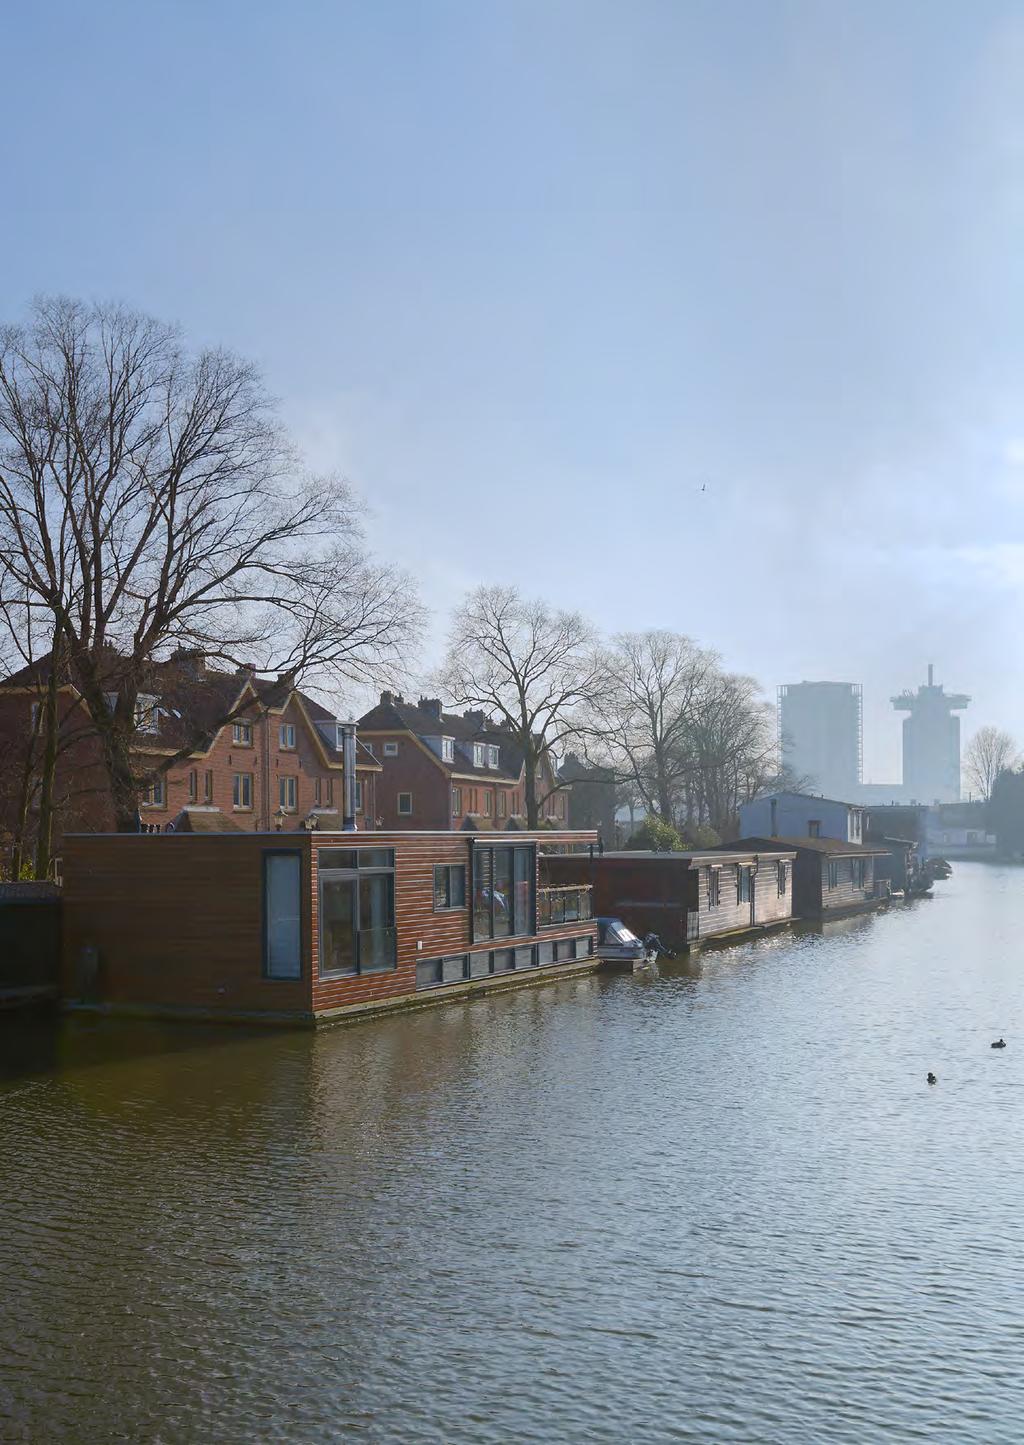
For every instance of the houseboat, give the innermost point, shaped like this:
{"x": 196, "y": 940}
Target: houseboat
{"x": 686, "y": 898}
{"x": 313, "y": 926}
{"x": 830, "y": 876}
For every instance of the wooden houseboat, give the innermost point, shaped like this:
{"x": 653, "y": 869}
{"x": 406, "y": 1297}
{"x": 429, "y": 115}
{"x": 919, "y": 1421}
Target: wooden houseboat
{"x": 686, "y": 898}
{"x": 305, "y": 927}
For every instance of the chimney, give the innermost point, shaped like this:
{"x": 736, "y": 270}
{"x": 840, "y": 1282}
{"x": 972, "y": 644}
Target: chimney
{"x": 348, "y": 776}
{"x": 475, "y": 716}
{"x": 386, "y": 698}
{"x": 431, "y": 705}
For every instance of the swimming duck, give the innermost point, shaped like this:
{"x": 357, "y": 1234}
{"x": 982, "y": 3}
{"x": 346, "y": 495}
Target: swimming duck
{"x": 932, "y": 1079}
{"x": 999, "y": 1044}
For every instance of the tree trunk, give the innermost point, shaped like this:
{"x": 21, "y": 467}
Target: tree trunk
{"x": 44, "y": 835}
{"x": 530, "y": 787}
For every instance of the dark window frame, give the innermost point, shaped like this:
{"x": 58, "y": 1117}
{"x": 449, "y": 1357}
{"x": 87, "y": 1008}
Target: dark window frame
{"x": 529, "y": 929}
{"x": 449, "y": 906}
{"x": 714, "y": 887}
{"x": 264, "y": 919}
{"x": 354, "y": 876}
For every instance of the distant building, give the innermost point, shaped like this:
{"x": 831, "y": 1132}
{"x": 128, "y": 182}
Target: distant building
{"x": 802, "y": 815}
{"x": 931, "y": 742}
{"x": 591, "y": 797}
{"x": 821, "y": 734}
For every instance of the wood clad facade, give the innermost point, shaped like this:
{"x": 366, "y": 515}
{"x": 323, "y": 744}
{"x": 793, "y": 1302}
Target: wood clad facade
{"x": 178, "y": 922}
{"x": 685, "y": 897}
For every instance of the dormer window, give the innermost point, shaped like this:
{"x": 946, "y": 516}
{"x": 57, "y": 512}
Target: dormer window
{"x": 147, "y": 717}
{"x": 241, "y": 733}
{"x": 479, "y": 755}
{"x": 493, "y": 756}
{"x": 448, "y": 750}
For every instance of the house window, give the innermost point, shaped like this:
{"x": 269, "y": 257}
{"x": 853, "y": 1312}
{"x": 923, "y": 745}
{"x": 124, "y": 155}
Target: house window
{"x": 358, "y": 796}
{"x": 814, "y": 828}
{"x": 317, "y": 787}
{"x": 405, "y": 804}
{"x": 714, "y": 887}
{"x": 288, "y": 791}
{"x": 502, "y": 804}
{"x": 282, "y": 915}
{"x": 479, "y": 755}
{"x": 456, "y": 801}
{"x": 155, "y": 795}
{"x": 449, "y": 886}
{"x": 493, "y": 755}
{"x": 743, "y": 881}
{"x": 241, "y": 790}
{"x": 330, "y": 792}
{"x": 287, "y": 735}
{"x": 241, "y": 733}
{"x": 193, "y": 786}
{"x": 357, "y": 912}
{"x": 782, "y": 879}
{"x": 504, "y": 891}
{"x": 208, "y": 786}
{"x": 368, "y": 747}
{"x": 391, "y": 750}
{"x": 487, "y": 802}
{"x": 833, "y": 874}
{"x": 448, "y": 750}
{"x": 860, "y": 869}
{"x": 147, "y": 717}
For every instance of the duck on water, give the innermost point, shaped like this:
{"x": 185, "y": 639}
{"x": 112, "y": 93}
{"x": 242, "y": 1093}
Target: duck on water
{"x": 1000, "y": 1043}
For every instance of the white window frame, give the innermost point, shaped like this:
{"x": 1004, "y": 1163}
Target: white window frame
{"x": 448, "y": 750}
{"x": 391, "y": 750}
{"x": 405, "y": 812}
{"x": 479, "y": 755}
{"x": 288, "y": 785}
{"x": 241, "y": 734}
{"x": 147, "y": 715}
{"x": 241, "y": 784}
{"x": 286, "y": 736}
{"x": 493, "y": 755}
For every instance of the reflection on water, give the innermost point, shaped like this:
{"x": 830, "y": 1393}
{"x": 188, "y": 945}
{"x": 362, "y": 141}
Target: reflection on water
{"x": 719, "y": 1204}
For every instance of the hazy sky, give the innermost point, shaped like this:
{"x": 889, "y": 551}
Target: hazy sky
{"x": 532, "y": 274}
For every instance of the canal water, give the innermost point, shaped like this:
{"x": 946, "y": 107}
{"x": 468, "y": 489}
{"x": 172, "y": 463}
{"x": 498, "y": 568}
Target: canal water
{"x": 718, "y": 1205}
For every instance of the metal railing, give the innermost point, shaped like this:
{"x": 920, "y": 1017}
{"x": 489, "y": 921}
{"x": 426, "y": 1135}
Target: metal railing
{"x": 564, "y": 905}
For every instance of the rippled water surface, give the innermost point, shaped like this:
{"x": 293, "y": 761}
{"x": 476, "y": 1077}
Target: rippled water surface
{"x": 719, "y": 1205}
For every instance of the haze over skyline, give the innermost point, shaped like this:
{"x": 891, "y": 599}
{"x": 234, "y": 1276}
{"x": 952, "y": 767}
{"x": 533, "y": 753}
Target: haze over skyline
{"x": 703, "y": 316}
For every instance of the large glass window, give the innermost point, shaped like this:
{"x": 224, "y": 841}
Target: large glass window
{"x": 503, "y": 891}
{"x": 357, "y": 914}
{"x": 282, "y": 915}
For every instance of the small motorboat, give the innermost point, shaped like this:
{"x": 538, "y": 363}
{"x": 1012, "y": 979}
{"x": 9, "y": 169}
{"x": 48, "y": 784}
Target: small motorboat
{"x": 619, "y": 948}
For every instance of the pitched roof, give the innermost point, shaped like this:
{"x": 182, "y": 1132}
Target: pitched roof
{"x": 811, "y": 798}
{"x": 197, "y": 820}
{"x": 192, "y": 699}
{"x": 834, "y": 846}
{"x": 394, "y": 714}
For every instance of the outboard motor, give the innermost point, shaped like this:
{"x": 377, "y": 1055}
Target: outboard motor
{"x": 654, "y": 946}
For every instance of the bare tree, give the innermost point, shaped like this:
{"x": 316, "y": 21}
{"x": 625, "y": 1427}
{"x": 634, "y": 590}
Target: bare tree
{"x": 528, "y": 666}
{"x": 732, "y": 749}
{"x": 989, "y": 753}
{"x": 652, "y": 685}
{"x": 149, "y": 499}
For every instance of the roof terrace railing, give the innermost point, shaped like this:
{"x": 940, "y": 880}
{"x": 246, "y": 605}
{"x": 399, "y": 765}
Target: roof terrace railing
{"x": 564, "y": 905}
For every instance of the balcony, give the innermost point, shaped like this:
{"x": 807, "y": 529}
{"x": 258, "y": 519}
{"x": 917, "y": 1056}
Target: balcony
{"x": 563, "y": 905}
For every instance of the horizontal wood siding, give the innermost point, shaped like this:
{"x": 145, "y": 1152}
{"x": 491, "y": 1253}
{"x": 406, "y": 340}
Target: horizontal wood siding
{"x": 846, "y": 895}
{"x": 421, "y": 933}
{"x": 177, "y": 920}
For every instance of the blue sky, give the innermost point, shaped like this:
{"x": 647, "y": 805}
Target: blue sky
{"x": 531, "y": 274}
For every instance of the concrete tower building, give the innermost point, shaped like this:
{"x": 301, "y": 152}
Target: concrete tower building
{"x": 821, "y": 735}
{"x": 931, "y": 742}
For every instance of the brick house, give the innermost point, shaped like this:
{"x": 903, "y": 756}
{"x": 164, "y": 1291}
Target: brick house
{"x": 445, "y": 770}
{"x": 277, "y": 765}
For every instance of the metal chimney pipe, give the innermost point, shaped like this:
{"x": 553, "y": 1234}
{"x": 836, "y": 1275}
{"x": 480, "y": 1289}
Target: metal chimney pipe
{"x": 348, "y": 777}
